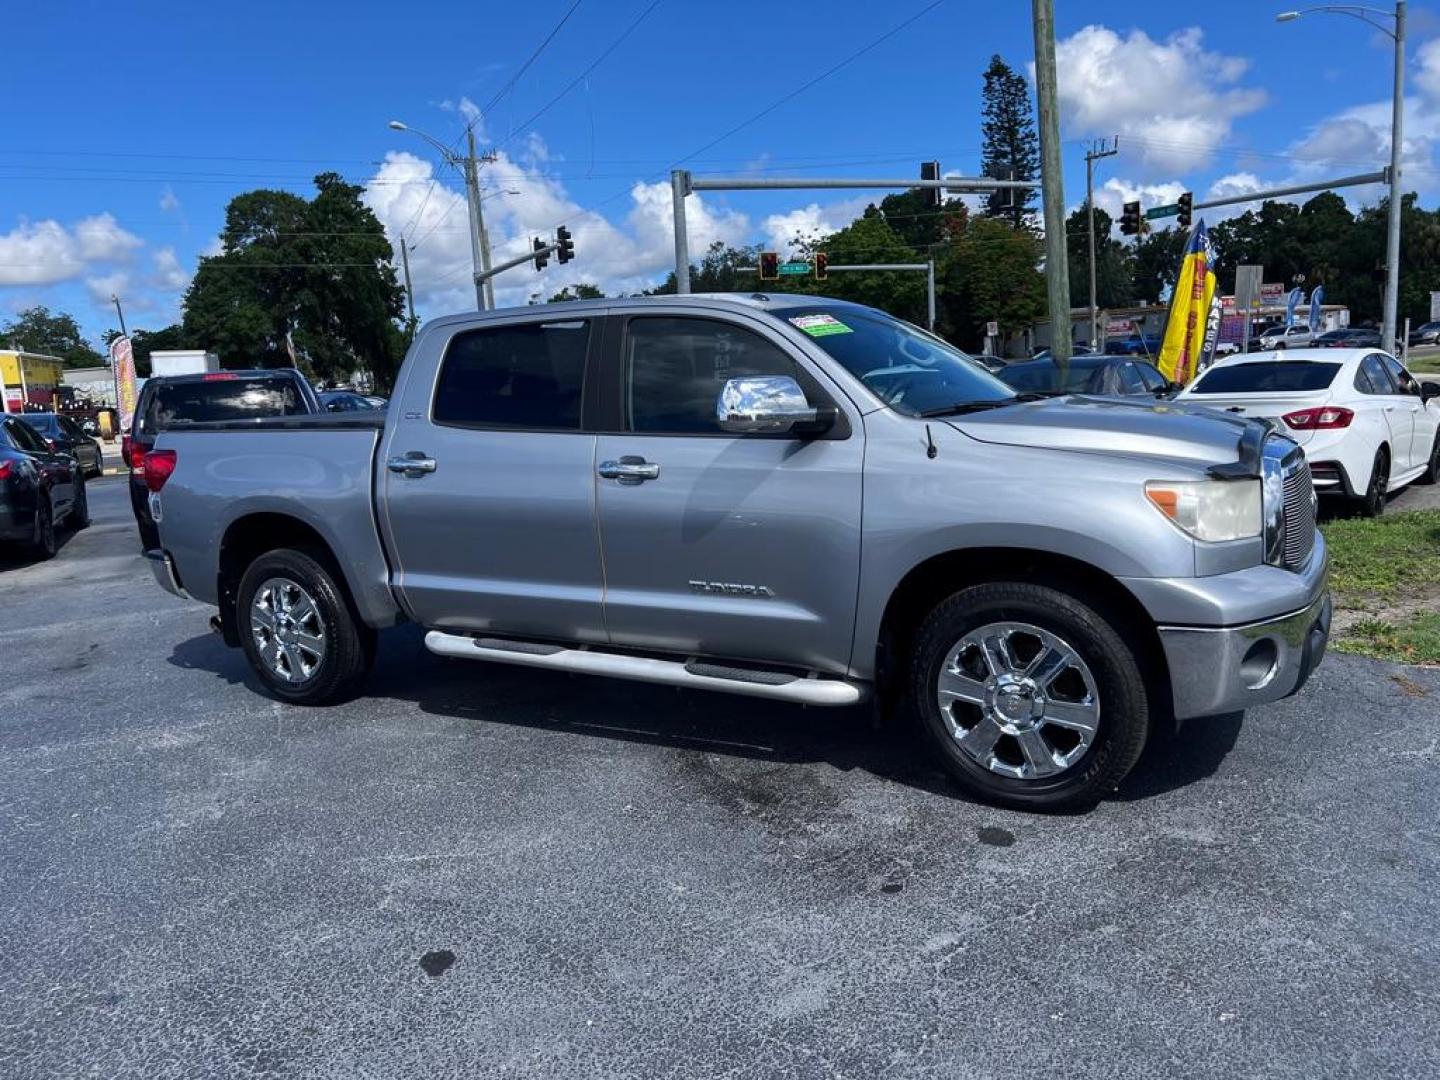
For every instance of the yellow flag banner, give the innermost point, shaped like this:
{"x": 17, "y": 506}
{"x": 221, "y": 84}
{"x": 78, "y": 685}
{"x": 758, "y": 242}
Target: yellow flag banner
{"x": 1185, "y": 350}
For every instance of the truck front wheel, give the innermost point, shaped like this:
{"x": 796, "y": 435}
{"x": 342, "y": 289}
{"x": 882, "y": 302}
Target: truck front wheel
{"x": 1032, "y": 697}
{"x": 297, "y": 630}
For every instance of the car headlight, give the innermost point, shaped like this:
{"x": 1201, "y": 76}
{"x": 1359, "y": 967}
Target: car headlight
{"x": 1209, "y": 509}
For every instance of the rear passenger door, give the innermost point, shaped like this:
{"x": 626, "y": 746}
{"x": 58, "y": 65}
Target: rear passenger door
{"x": 743, "y": 546}
{"x": 1409, "y": 402}
{"x": 487, "y": 481}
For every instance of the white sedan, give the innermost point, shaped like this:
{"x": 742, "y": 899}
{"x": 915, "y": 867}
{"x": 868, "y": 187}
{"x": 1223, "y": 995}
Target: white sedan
{"x": 1367, "y": 425}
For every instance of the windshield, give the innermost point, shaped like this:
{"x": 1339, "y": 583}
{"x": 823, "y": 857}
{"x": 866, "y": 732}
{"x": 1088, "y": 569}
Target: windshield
{"x": 905, "y": 367}
{"x": 1280, "y": 376}
{"x": 176, "y": 404}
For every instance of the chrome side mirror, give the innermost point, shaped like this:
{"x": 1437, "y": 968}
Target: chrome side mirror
{"x": 763, "y": 405}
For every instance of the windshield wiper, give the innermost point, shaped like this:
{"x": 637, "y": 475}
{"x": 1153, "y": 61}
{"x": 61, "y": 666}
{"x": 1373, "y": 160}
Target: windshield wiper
{"x": 957, "y": 408}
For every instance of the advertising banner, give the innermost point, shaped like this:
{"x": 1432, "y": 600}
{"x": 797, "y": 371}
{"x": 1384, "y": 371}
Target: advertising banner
{"x": 1189, "y": 336}
{"x": 122, "y": 360}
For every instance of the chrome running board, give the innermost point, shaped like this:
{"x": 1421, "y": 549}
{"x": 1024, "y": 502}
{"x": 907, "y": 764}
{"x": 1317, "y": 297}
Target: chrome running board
{"x": 694, "y": 674}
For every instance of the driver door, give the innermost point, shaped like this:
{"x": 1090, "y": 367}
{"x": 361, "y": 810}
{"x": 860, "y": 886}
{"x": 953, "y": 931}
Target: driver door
{"x": 718, "y": 544}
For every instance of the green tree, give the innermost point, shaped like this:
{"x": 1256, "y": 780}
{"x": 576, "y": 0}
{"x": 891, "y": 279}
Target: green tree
{"x": 39, "y": 330}
{"x": 1114, "y": 271}
{"x": 1011, "y": 148}
{"x": 867, "y": 239}
{"x": 992, "y": 273}
{"x": 303, "y": 282}
{"x": 719, "y": 271}
{"x": 582, "y": 291}
{"x": 1156, "y": 260}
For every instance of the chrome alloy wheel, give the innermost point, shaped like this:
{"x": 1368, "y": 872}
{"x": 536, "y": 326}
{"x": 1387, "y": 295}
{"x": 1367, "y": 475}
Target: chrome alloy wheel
{"x": 1018, "y": 700}
{"x": 289, "y": 635}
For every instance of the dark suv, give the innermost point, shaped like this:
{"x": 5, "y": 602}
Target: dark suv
{"x": 180, "y": 400}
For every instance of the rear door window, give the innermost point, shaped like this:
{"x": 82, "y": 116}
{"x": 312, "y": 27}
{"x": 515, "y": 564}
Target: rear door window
{"x": 214, "y": 399}
{"x": 1130, "y": 380}
{"x": 1268, "y": 377}
{"x": 525, "y": 376}
{"x": 1377, "y": 377}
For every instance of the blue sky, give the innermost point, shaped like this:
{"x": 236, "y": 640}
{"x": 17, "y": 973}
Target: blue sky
{"x": 129, "y": 126}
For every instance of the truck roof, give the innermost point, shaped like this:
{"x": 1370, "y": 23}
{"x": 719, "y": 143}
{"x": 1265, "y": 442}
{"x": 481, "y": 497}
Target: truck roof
{"x": 756, "y": 300}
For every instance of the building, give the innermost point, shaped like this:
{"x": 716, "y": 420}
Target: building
{"x": 29, "y": 379}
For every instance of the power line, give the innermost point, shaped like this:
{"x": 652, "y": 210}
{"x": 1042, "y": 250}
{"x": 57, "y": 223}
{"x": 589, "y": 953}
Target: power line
{"x": 526, "y": 66}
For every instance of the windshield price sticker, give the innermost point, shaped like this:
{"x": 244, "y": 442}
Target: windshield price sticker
{"x": 820, "y": 325}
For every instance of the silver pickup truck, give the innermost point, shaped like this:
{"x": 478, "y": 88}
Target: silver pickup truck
{"x": 775, "y": 496}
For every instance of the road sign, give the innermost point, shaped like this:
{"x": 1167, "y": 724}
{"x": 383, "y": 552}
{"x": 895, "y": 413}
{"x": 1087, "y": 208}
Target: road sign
{"x": 1272, "y": 293}
{"x": 1434, "y": 306}
{"x": 1168, "y": 210}
{"x": 794, "y": 268}
{"x": 992, "y": 329}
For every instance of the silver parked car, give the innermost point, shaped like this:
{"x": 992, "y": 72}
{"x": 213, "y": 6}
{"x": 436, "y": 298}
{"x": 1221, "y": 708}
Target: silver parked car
{"x": 783, "y": 497}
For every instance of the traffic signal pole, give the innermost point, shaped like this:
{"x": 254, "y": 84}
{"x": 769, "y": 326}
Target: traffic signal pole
{"x": 1052, "y": 186}
{"x": 1094, "y": 154}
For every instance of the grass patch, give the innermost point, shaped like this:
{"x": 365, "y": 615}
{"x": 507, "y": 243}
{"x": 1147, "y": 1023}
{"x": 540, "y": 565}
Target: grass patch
{"x": 1424, "y": 365}
{"x": 1393, "y": 557}
{"x": 1385, "y": 575}
{"x": 1412, "y": 640}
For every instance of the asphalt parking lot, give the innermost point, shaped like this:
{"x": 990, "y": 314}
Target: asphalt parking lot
{"x": 484, "y": 871}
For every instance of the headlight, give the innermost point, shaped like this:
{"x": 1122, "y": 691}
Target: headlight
{"x": 1209, "y": 509}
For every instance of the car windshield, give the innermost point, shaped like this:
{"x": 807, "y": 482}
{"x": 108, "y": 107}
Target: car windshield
{"x": 1273, "y": 376}
{"x": 905, "y": 367}
{"x": 175, "y": 404}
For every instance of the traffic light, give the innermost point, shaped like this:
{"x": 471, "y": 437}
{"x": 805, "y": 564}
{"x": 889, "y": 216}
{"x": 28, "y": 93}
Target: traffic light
{"x": 566, "y": 245}
{"x": 542, "y": 254}
{"x": 930, "y": 170}
{"x": 822, "y": 265}
{"x": 1130, "y": 219}
{"x": 769, "y": 266}
{"x": 1186, "y": 203}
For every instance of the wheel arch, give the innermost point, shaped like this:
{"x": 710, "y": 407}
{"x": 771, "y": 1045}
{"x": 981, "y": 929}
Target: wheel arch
{"x": 940, "y": 575}
{"x": 251, "y": 535}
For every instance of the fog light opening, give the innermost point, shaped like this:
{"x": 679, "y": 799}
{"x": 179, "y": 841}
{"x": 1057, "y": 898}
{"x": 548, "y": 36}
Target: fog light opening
{"x": 1261, "y": 662}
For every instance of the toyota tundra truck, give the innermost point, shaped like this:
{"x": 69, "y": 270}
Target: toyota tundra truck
{"x": 772, "y": 496}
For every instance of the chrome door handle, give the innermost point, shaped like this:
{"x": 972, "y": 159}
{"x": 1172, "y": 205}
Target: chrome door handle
{"x": 629, "y": 470}
{"x": 411, "y": 466}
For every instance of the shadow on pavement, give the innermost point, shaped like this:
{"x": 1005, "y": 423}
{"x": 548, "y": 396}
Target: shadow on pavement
{"x": 635, "y": 712}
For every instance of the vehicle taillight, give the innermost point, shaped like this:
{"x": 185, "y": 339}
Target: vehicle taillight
{"x": 159, "y": 464}
{"x": 5, "y": 468}
{"x": 218, "y": 376}
{"x": 1319, "y": 418}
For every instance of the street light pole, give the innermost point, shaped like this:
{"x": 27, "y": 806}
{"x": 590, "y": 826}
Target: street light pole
{"x": 469, "y": 165}
{"x": 1396, "y": 32}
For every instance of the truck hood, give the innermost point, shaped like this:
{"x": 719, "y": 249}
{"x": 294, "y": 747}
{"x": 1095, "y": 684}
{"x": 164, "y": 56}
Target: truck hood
{"x": 1118, "y": 426}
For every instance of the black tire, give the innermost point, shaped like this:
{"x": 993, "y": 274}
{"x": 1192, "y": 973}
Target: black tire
{"x": 45, "y": 545}
{"x": 348, "y": 642}
{"x": 1123, "y": 705}
{"x": 1432, "y": 470}
{"x": 79, "y": 515}
{"x": 1372, "y": 503}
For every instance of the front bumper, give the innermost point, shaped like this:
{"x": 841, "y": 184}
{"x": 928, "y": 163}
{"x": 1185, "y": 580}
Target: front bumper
{"x": 1225, "y": 669}
{"x": 163, "y": 567}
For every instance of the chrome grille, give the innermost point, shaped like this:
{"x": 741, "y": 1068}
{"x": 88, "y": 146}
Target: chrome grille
{"x": 1299, "y": 512}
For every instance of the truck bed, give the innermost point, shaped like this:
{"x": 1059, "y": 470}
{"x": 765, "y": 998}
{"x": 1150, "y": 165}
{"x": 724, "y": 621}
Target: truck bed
{"x": 318, "y": 468}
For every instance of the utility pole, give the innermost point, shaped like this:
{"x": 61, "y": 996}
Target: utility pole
{"x": 479, "y": 240}
{"x": 409, "y": 289}
{"x": 1392, "y": 225}
{"x": 1096, "y": 152}
{"x": 1052, "y": 185}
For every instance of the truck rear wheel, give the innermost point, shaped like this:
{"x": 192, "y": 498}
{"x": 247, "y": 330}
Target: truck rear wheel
{"x": 1031, "y": 696}
{"x": 298, "y": 631}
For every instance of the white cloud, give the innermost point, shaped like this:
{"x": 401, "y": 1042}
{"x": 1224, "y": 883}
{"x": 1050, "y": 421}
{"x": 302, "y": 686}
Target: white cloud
{"x": 44, "y": 252}
{"x": 625, "y": 255}
{"x": 169, "y": 274}
{"x": 104, "y": 286}
{"x": 781, "y": 230}
{"x": 169, "y": 200}
{"x": 470, "y": 113}
{"x": 1172, "y": 99}
{"x": 1427, "y": 65}
{"x": 1116, "y": 192}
